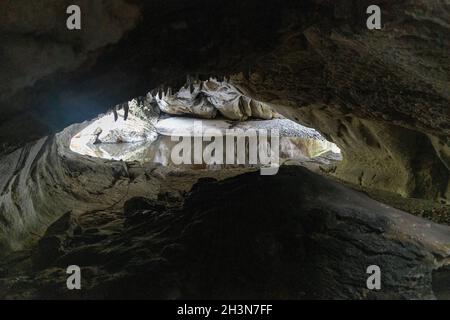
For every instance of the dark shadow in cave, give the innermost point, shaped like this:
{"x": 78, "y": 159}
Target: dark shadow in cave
{"x": 441, "y": 283}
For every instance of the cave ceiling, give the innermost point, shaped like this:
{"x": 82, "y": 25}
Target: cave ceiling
{"x": 292, "y": 53}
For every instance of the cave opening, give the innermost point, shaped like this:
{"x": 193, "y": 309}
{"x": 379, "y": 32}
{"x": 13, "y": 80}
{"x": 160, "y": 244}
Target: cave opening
{"x": 210, "y": 117}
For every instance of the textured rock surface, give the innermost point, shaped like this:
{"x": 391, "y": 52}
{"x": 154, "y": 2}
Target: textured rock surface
{"x": 207, "y": 99}
{"x": 43, "y": 180}
{"x": 384, "y": 156}
{"x": 317, "y": 245}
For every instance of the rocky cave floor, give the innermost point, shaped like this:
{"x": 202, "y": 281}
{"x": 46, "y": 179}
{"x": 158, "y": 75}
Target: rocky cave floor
{"x": 235, "y": 234}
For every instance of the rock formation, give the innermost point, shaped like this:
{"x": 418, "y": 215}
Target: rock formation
{"x": 317, "y": 245}
{"x": 312, "y": 61}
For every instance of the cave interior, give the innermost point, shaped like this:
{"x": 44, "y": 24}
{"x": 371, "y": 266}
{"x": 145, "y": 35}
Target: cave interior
{"x": 355, "y": 123}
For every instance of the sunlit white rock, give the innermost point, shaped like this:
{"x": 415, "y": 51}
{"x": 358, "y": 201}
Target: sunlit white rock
{"x": 118, "y": 140}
